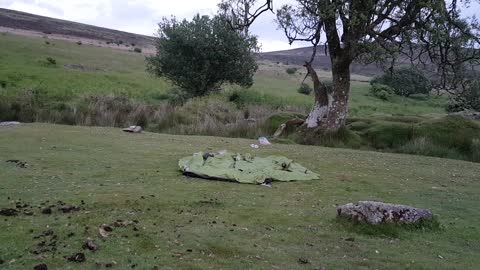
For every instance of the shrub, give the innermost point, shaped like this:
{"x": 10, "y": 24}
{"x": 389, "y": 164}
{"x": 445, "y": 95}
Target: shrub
{"x": 469, "y": 99}
{"x": 202, "y": 54}
{"x": 137, "y": 50}
{"x": 381, "y": 91}
{"x": 51, "y": 60}
{"x": 305, "y": 89}
{"x": 291, "y": 70}
{"x": 405, "y": 81}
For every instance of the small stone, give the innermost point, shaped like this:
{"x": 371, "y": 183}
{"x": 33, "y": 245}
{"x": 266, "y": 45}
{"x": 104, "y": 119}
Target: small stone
{"x": 68, "y": 208}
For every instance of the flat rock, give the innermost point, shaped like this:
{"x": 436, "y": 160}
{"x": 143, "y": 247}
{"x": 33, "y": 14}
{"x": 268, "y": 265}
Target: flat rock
{"x": 133, "y": 129}
{"x": 383, "y": 213}
{"x": 9, "y": 124}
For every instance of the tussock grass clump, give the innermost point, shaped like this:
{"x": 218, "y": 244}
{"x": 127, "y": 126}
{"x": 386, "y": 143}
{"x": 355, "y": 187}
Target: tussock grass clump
{"x": 291, "y": 70}
{"x": 305, "y": 89}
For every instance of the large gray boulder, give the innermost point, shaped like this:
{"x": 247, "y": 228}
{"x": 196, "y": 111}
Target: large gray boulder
{"x": 383, "y": 213}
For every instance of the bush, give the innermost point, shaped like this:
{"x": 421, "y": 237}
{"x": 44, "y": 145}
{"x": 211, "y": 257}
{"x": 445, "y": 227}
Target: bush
{"x": 305, "y": 89}
{"x": 51, "y": 60}
{"x": 467, "y": 100}
{"x": 381, "y": 91}
{"x": 291, "y": 70}
{"x": 405, "y": 81}
{"x": 137, "y": 50}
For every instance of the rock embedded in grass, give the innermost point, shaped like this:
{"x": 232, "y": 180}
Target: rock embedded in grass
{"x": 376, "y": 213}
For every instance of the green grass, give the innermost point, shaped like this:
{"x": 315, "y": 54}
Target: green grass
{"x": 109, "y": 71}
{"x": 115, "y": 174}
{"x": 105, "y": 70}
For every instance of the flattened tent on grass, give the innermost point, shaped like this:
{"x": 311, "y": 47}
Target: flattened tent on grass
{"x": 244, "y": 168}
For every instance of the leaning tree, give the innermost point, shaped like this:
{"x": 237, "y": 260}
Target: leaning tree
{"x": 431, "y": 33}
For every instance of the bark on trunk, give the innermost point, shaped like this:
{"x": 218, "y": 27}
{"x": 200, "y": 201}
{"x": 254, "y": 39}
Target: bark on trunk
{"x": 330, "y": 110}
{"x": 320, "y": 108}
{"x": 338, "y": 109}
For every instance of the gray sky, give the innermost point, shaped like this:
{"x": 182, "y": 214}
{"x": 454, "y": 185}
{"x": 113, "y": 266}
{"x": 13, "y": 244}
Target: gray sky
{"x": 141, "y": 16}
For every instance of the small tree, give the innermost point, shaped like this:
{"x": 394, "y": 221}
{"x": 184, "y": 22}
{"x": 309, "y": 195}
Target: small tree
{"x": 202, "y": 54}
{"x": 405, "y": 81}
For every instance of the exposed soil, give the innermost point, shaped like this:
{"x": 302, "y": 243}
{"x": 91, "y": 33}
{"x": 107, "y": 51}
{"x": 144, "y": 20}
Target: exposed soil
{"x": 40, "y": 267}
{"x": 18, "y": 163}
{"x": 8, "y": 212}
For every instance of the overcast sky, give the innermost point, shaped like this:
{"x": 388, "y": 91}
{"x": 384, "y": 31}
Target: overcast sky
{"x": 141, "y": 16}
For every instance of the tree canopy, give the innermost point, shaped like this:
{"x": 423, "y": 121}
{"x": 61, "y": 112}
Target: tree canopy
{"x": 430, "y": 33}
{"x": 202, "y": 54}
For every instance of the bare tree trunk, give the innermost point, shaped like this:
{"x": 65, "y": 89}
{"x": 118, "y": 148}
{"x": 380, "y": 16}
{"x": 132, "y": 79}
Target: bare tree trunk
{"x": 330, "y": 110}
{"x": 320, "y": 108}
{"x": 338, "y": 109}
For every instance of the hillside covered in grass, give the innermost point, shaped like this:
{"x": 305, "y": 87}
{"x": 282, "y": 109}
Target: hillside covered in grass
{"x": 45, "y": 80}
{"x": 169, "y": 221}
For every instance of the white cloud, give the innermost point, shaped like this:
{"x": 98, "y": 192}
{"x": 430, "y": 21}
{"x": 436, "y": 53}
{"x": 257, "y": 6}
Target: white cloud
{"x": 276, "y": 45}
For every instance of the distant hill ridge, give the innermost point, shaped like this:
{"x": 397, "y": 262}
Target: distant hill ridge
{"x": 53, "y": 28}
{"x": 26, "y": 21}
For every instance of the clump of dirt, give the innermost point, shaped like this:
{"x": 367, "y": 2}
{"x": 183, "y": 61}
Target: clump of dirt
{"x": 77, "y": 257}
{"x": 105, "y": 230}
{"x": 40, "y": 267}
{"x": 47, "y": 243}
{"x": 69, "y": 208}
{"x": 303, "y": 261}
{"x": 47, "y": 211}
{"x": 90, "y": 245}
{"x": 8, "y": 212}
{"x": 122, "y": 223}
{"x": 18, "y": 163}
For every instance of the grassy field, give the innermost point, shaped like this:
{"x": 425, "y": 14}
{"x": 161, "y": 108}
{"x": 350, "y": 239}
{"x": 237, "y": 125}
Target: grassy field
{"x": 89, "y": 70}
{"x": 183, "y": 223}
